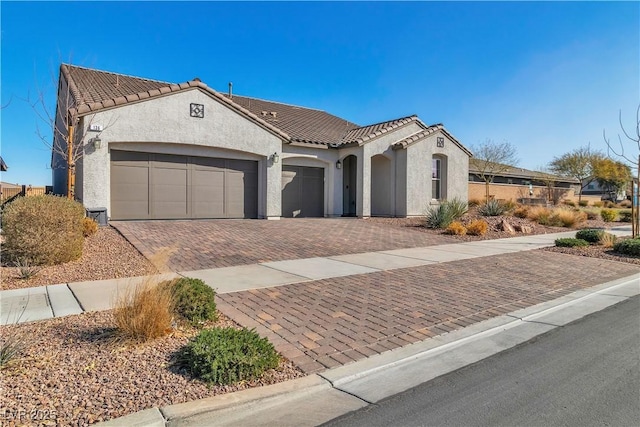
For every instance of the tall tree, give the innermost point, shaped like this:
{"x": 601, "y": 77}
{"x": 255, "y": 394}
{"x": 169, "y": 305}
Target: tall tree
{"x": 577, "y": 164}
{"x": 629, "y": 151}
{"x": 491, "y": 159}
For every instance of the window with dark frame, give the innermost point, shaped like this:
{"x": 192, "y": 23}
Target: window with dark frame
{"x": 436, "y": 178}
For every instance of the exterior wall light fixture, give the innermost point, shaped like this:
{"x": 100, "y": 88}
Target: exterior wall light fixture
{"x": 97, "y": 142}
{"x": 338, "y": 164}
{"x": 275, "y": 158}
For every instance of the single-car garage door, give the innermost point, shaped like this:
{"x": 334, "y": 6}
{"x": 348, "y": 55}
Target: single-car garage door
{"x": 302, "y": 191}
{"x": 162, "y": 186}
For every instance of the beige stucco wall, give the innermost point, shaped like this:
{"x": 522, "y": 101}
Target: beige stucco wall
{"x": 419, "y": 159}
{"x": 164, "y": 125}
{"x": 513, "y": 192}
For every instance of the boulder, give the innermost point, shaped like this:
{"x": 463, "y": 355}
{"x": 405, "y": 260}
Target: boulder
{"x": 526, "y": 229}
{"x": 505, "y": 226}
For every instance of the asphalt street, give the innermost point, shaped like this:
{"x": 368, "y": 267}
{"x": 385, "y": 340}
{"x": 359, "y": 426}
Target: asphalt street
{"x": 586, "y": 373}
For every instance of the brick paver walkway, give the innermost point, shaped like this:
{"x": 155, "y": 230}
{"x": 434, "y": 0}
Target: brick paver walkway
{"x": 222, "y": 243}
{"x": 326, "y": 323}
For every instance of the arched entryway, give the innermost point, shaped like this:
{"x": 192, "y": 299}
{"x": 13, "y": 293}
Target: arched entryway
{"x": 350, "y": 184}
{"x": 380, "y": 186}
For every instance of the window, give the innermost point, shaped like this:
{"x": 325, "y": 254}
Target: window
{"x": 436, "y": 178}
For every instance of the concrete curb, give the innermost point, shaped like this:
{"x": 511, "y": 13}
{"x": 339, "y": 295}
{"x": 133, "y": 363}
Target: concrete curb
{"x": 319, "y": 398}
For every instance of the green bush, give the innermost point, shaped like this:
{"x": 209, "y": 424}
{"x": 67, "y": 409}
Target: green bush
{"x": 492, "y": 208}
{"x": 570, "y": 242}
{"x": 228, "y": 355}
{"x": 608, "y": 215}
{"x": 443, "y": 215}
{"x": 628, "y": 246}
{"x": 625, "y": 215}
{"x": 591, "y": 235}
{"x": 583, "y": 203}
{"x": 194, "y": 301}
{"x": 43, "y": 230}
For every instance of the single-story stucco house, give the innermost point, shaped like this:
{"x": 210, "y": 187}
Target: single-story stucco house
{"x": 157, "y": 150}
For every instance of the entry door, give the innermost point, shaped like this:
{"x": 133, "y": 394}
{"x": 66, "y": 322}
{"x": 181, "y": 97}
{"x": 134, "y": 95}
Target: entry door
{"x": 349, "y": 179}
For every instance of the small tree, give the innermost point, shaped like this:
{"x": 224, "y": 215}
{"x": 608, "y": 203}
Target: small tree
{"x": 632, "y": 159}
{"x": 491, "y": 159}
{"x": 69, "y": 140}
{"x": 577, "y": 164}
{"x": 612, "y": 175}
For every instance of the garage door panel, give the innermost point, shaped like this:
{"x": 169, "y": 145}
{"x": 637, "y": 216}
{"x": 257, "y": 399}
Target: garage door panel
{"x": 161, "y": 186}
{"x": 130, "y": 191}
{"x": 168, "y": 193}
{"x": 302, "y": 191}
{"x": 241, "y": 194}
{"x": 208, "y": 193}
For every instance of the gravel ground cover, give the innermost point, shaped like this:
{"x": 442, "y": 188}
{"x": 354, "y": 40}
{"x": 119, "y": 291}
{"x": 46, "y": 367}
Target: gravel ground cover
{"x": 106, "y": 255}
{"x": 74, "y": 373}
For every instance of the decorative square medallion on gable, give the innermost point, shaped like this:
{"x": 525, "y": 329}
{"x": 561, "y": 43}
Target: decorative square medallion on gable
{"x": 197, "y": 110}
{"x": 440, "y": 142}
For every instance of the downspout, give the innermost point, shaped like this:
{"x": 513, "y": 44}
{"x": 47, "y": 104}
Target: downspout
{"x": 71, "y": 177}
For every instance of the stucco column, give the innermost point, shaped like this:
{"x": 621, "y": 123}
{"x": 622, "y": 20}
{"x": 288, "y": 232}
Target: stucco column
{"x": 274, "y": 189}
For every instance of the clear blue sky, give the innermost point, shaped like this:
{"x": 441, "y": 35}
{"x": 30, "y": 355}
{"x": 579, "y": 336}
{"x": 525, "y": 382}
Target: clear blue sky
{"x": 547, "y": 77}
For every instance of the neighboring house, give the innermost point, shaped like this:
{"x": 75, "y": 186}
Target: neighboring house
{"x": 520, "y": 185}
{"x": 187, "y": 151}
{"x": 593, "y": 188}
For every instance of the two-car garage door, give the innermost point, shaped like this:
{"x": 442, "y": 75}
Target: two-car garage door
{"x": 162, "y": 186}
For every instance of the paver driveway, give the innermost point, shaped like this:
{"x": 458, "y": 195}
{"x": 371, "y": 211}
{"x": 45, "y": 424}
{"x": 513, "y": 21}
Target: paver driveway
{"x": 207, "y": 244}
{"x": 330, "y": 322}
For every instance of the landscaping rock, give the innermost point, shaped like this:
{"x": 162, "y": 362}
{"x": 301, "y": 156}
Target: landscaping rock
{"x": 523, "y": 228}
{"x": 505, "y": 226}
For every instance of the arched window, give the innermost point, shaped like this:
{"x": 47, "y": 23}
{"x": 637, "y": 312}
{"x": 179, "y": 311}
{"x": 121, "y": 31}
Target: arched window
{"x": 438, "y": 177}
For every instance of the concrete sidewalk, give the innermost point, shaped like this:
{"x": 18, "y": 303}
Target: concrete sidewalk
{"x": 319, "y": 398}
{"x": 31, "y": 304}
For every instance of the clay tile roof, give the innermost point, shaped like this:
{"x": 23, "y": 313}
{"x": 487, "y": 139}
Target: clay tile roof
{"x": 90, "y": 86}
{"x": 302, "y": 124}
{"x": 430, "y": 130}
{"x": 365, "y": 133}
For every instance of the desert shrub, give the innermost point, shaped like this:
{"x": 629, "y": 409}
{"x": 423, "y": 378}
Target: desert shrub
{"x": 492, "y": 208}
{"x": 570, "y": 242}
{"x": 591, "y": 235}
{"x": 625, "y": 215}
{"x": 609, "y": 204}
{"x": 456, "y": 228}
{"x": 521, "y": 212}
{"x": 457, "y": 207}
{"x": 625, "y": 204}
{"x": 583, "y": 203}
{"x": 569, "y": 203}
{"x": 509, "y": 205}
{"x": 566, "y": 218}
{"x": 592, "y": 215}
{"x": 89, "y": 227}
{"x": 144, "y": 313}
{"x": 193, "y": 300}
{"x": 26, "y": 270}
{"x": 228, "y": 355}
{"x": 628, "y": 246}
{"x": 597, "y": 204}
{"x": 11, "y": 347}
{"x": 608, "y": 240}
{"x": 43, "y": 229}
{"x": 475, "y": 202}
{"x": 538, "y": 212}
{"x": 608, "y": 215}
{"x": 477, "y": 227}
{"x": 444, "y": 214}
